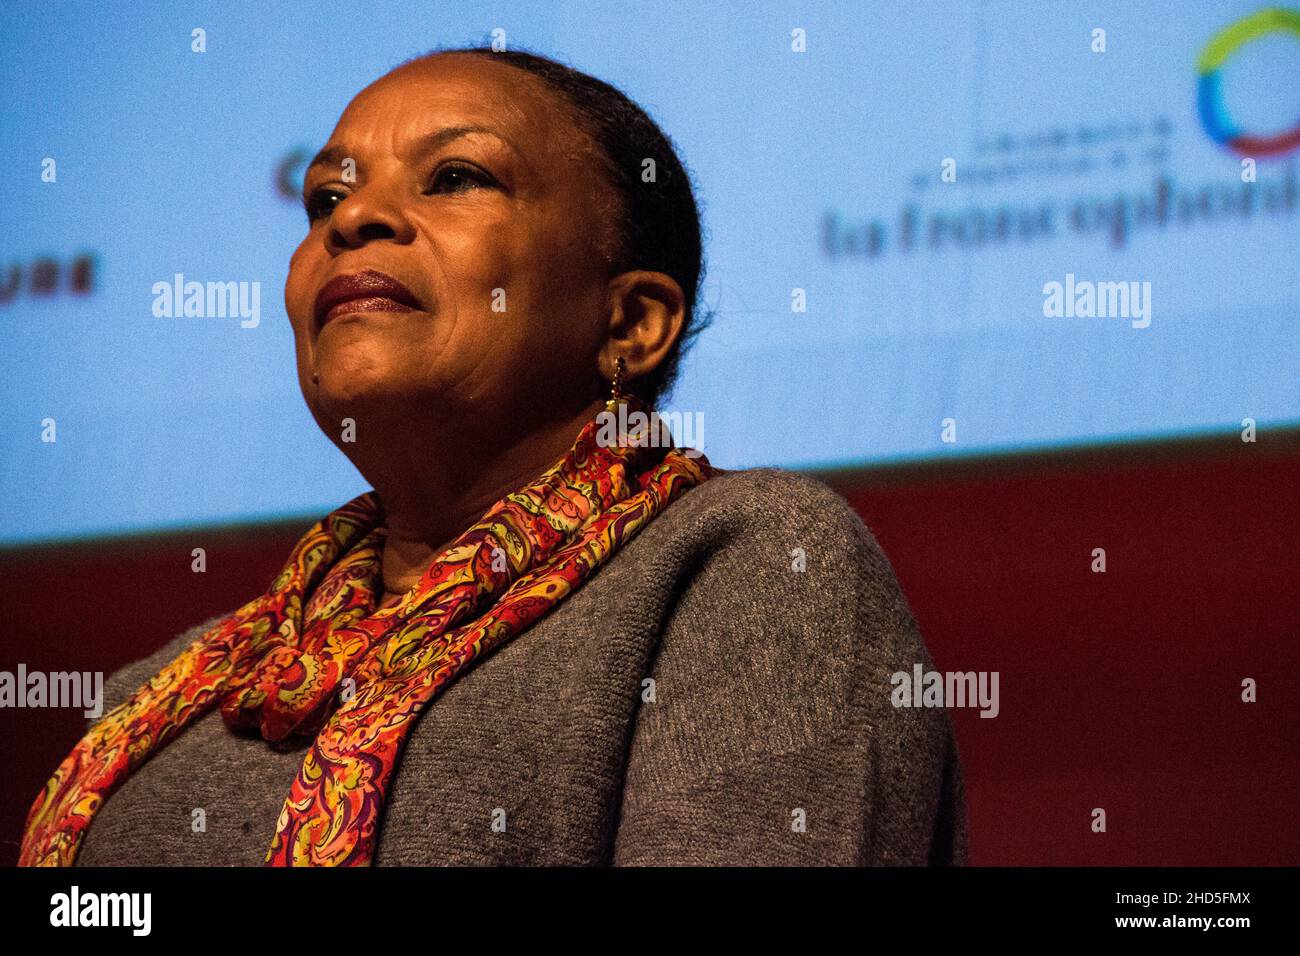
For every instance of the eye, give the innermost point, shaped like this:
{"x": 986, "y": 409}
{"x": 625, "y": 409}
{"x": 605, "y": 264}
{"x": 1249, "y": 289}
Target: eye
{"x": 321, "y": 202}
{"x": 459, "y": 177}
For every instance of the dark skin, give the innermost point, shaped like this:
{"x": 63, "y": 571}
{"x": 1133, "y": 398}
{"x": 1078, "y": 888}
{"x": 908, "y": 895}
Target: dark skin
{"x": 455, "y": 405}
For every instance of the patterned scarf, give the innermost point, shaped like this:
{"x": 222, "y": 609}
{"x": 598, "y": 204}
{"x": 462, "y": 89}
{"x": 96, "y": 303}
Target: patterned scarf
{"x": 314, "y": 657}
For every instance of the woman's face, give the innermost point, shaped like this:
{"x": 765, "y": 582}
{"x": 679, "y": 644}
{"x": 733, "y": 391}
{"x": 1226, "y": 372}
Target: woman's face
{"x": 474, "y": 191}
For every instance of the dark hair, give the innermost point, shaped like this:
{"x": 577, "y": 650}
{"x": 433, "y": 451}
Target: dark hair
{"x": 660, "y": 222}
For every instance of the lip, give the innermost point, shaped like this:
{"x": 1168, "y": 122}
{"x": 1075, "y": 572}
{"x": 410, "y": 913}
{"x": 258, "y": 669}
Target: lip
{"x": 367, "y": 291}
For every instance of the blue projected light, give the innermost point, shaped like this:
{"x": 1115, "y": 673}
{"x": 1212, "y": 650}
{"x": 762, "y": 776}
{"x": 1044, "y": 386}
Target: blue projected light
{"x": 991, "y": 224}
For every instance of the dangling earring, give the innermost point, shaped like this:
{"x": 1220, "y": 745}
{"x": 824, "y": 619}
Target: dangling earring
{"x": 616, "y": 394}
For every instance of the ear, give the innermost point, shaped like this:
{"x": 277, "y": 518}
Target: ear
{"x": 646, "y": 313}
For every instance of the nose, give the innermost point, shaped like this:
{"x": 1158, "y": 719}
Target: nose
{"x": 370, "y": 214}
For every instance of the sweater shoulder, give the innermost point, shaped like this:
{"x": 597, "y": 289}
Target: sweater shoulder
{"x": 773, "y": 493}
{"x": 771, "y": 503}
{"x": 789, "y": 551}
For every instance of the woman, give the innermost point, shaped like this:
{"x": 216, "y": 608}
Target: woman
{"x": 532, "y": 643}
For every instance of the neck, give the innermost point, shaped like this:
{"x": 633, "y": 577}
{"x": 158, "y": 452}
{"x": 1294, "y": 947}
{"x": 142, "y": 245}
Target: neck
{"x": 431, "y": 496}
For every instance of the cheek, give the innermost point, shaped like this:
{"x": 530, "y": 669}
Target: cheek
{"x": 565, "y": 308}
{"x": 298, "y": 285}
{"x": 489, "y": 294}
{"x": 473, "y": 262}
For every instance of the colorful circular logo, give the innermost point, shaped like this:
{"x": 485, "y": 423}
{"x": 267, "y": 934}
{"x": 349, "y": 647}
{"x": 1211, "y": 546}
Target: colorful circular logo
{"x": 1209, "y": 94}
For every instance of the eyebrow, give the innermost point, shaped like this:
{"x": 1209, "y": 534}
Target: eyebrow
{"x": 334, "y": 155}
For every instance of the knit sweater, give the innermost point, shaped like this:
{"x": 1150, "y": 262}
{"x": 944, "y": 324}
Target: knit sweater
{"x": 718, "y": 693}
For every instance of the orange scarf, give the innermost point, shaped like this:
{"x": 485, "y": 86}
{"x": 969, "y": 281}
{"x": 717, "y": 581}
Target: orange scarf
{"x": 313, "y": 656}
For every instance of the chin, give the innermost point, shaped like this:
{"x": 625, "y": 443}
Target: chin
{"x": 363, "y": 384}
{"x": 347, "y": 386}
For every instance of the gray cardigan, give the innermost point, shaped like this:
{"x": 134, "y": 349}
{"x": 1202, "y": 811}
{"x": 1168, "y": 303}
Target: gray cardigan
{"x": 700, "y": 700}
